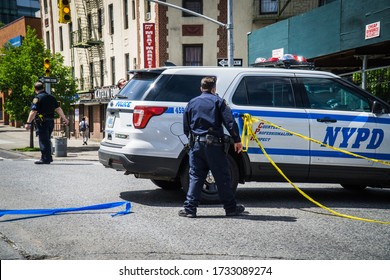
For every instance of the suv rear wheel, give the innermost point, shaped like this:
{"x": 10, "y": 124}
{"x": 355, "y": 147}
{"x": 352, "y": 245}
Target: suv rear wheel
{"x": 167, "y": 185}
{"x": 209, "y": 193}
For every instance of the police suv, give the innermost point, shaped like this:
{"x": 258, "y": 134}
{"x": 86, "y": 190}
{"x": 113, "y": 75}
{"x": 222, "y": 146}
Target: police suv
{"x": 144, "y": 127}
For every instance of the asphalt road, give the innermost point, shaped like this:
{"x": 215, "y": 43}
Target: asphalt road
{"x": 282, "y": 225}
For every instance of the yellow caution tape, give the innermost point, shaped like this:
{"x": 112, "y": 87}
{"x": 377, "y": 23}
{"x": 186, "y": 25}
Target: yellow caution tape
{"x": 247, "y": 132}
{"x": 252, "y": 119}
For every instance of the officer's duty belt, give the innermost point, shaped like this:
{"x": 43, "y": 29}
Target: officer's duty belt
{"x": 203, "y": 139}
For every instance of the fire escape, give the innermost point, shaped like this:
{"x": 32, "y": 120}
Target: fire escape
{"x": 87, "y": 44}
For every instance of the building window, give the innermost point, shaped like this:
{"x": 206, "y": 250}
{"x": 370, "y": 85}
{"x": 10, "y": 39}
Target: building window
{"x": 148, "y": 10}
{"x": 133, "y": 9}
{"x": 101, "y": 72}
{"x": 269, "y": 6}
{"x": 81, "y": 77}
{"x": 126, "y": 13}
{"x": 89, "y": 22}
{"x": 61, "y": 39}
{"x": 193, "y": 5}
{"x": 48, "y": 40}
{"x": 91, "y": 74}
{"x": 100, "y": 23}
{"x": 70, "y": 35}
{"x": 113, "y": 70}
{"x": 127, "y": 65}
{"x": 192, "y": 55}
{"x": 111, "y": 18}
{"x": 45, "y": 6}
{"x": 79, "y": 31}
{"x": 324, "y": 2}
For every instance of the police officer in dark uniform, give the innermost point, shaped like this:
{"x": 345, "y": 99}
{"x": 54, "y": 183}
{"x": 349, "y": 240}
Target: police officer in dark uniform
{"x": 203, "y": 122}
{"x": 42, "y": 113}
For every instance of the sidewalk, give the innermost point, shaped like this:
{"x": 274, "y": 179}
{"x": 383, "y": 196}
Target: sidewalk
{"x": 12, "y": 138}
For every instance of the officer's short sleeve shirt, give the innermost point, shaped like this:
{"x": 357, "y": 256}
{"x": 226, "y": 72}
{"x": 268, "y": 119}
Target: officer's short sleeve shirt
{"x": 45, "y": 104}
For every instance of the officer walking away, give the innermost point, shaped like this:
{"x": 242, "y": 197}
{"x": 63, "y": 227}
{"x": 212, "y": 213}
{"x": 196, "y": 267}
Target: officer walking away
{"x": 203, "y": 121}
{"x": 42, "y": 113}
{"x": 84, "y": 130}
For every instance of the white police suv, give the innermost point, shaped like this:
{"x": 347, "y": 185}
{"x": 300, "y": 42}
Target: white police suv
{"x": 144, "y": 134}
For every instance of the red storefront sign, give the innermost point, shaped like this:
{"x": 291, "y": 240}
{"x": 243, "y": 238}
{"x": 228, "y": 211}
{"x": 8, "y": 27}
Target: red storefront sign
{"x": 149, "y": 45}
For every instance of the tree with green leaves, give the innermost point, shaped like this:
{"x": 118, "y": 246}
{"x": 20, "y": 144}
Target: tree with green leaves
{"x": 378, "y": 82}
{"x": 22, "y": 66}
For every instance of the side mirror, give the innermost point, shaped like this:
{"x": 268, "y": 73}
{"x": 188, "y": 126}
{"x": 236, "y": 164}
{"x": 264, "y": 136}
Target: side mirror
{"x": 377, "y": 107}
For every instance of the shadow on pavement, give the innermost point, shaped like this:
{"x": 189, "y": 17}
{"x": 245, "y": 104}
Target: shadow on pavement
{"x": 266, "y": 197}
{"x": 82, "y": 149}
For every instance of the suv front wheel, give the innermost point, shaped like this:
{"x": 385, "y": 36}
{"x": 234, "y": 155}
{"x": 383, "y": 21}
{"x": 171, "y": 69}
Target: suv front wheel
{"x": 210, "y": 189}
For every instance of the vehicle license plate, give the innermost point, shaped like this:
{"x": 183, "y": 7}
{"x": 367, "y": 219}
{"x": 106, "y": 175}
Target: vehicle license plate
{"x": 110, "y": 121}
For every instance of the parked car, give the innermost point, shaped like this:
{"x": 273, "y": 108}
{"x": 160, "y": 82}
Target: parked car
{"x": 144, "y": 130}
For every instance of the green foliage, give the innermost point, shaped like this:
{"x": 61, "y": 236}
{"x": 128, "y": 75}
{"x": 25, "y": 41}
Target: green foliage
{"x": 65, "y": 89}
{"x": 20, "y": 68}
{"x": 28, "y": 149}
{"x": 378, "y": 82}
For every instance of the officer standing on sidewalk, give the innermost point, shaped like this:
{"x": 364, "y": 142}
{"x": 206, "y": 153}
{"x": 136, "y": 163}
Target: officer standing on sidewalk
{"x": 203, "y": 121}
{"x": 42, "y": 113}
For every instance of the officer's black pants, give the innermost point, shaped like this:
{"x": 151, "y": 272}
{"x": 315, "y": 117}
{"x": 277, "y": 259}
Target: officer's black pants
{"x": 203, "y": 158}
{"x": 44, "y": 132}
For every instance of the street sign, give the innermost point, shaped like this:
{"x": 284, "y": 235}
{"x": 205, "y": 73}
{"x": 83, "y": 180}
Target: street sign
{"x": 373, "y": 30}
{"x": 224, "y": 62}
{"x": 50, "y": 80}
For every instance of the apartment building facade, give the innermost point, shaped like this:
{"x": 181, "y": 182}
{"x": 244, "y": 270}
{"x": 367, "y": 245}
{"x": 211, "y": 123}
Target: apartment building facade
{"x": 106, "y": 38}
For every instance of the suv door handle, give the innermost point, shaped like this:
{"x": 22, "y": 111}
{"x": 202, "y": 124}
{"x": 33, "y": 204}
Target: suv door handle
{"x": 327, "y": 120}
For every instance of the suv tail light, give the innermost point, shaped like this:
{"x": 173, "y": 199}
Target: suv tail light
{"x": 142, "y": 114}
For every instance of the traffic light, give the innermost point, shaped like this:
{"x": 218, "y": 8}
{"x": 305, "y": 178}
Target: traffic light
{"x": 46, "y": 66}
{"x": 64, "y": 11}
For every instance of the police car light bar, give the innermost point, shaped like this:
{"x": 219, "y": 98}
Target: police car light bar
{"x": 286, "y": 61}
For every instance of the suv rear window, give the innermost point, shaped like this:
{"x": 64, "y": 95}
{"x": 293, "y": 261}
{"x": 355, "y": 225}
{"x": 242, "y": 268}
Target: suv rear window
{"x": 179, "y": 88}
{"x": 138, "y": 85}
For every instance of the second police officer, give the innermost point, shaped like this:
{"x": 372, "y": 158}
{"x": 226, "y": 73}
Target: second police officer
{"x": 42, "y": 113}
{"x": 203, "y": 121}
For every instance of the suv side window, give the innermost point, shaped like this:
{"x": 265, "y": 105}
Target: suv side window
{"x": 329, "y": 94}
{"x": 264, "y": 91}
{"x": 178, "y": 88}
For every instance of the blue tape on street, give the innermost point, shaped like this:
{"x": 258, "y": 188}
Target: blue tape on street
{"x": 64, "y": 210}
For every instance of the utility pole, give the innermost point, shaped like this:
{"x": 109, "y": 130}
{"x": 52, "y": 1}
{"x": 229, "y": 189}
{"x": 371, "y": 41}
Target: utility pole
{"x": 229, "y": 28}
{"x": 228, "y": 25}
